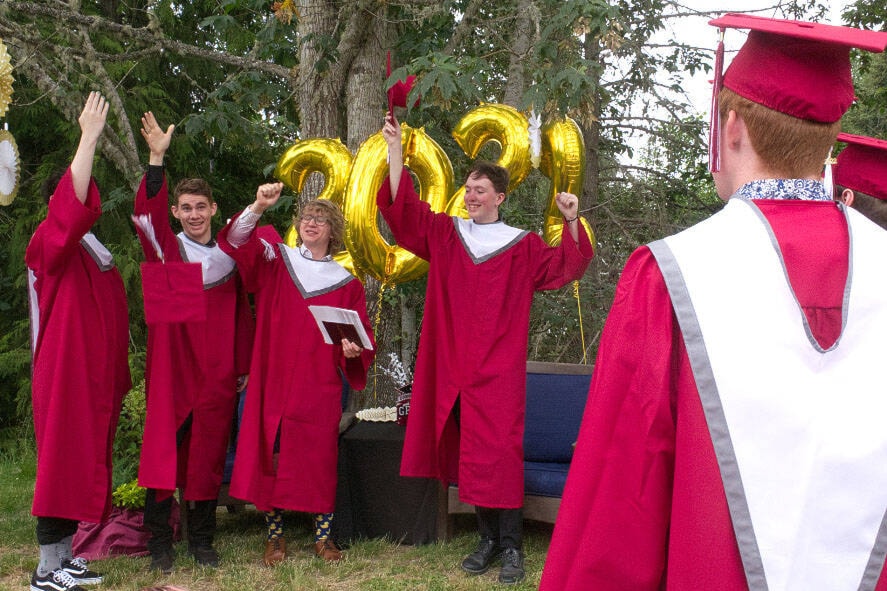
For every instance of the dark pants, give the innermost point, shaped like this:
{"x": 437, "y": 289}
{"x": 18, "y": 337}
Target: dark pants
{"x": 503, "y": 526}
{"x": 201, "y": 518}
{"x": 52, "y": 530}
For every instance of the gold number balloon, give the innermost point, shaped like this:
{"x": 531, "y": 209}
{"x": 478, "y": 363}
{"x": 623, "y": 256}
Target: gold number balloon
{"x": 329, "y": 157}
{"x": 493, "y": 123}
{"x": 563, "y": 161}
{"x": 427, "y": 160}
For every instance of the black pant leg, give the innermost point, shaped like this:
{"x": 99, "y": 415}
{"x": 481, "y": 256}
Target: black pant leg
{"x": 487, "y": 523}
{"x": 157, "y": 516}
{"x": 511, "y": 528}
{"x": 52, "y": 530}
{"x": 202, "y": 523}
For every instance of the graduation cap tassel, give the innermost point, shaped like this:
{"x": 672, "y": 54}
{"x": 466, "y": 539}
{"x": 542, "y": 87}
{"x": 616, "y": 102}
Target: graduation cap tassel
{"x": 714, "y": 128}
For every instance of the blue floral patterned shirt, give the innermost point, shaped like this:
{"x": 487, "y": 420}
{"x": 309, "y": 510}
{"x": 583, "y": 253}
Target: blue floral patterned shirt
{"x": 802, "y": 189}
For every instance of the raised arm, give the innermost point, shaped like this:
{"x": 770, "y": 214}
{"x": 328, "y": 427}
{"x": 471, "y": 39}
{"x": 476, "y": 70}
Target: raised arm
{"x": 92, "y": 122}
{"x": 568, "y": 204}
{"x": 391, "y": 133}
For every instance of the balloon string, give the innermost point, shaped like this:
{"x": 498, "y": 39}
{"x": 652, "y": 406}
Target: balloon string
{"x": 376, "y": 319}
{"x": 581, "y": 329}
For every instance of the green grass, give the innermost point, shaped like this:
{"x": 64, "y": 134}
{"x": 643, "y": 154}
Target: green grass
{"x": 369, "y": 565}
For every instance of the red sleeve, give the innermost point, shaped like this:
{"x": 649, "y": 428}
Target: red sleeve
{"x": 156, "y": 207}
{"x": 556, "y": 266}
{"x": 252, "y": 262}
{"x": 612, "y": 528}
{"x": 67, "y": 220}
{"x": 411, "y": 220}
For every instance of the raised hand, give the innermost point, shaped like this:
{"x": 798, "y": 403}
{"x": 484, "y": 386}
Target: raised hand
{"x": 568, "y": 204}
{"x": 92, "y": 122}
{"x": 266, "y": 196}
{"x": 92, "y": 119}
{"x": 157, "y": 139}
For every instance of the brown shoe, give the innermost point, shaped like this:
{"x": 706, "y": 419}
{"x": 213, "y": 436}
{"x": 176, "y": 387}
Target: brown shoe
{"x": 275, "y": 551}
{"x": 327, "y": 550}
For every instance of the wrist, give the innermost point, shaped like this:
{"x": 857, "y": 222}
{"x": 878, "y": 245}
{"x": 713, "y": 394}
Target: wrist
{"x": 256, "y": 208}
{"x": 571, "y": 220}
{"x": 155, "y": 159}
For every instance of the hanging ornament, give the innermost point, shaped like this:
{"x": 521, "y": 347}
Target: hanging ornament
{"x": 9, "y": 168}
{"x": 6, "y": 80}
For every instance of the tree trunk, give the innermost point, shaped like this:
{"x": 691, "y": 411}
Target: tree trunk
{"x": 526, "y": 27}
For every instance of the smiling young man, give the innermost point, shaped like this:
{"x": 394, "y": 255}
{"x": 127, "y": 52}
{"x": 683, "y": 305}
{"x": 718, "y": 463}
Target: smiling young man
{"x": 195, "y": 369}
{"x": 467, "y": 411}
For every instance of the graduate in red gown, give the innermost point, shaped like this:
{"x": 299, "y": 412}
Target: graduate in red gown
{"x": 80, "y": 374}
{"x": 194, "y": 369}
{"x": 733, "y": 437}
{"x": 287, "y": 448}
{"x": 468, "y": 398}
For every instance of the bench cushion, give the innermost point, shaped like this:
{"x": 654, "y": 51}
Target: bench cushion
{"x": 545, "y": 478}
{"x": 555, "y": 403}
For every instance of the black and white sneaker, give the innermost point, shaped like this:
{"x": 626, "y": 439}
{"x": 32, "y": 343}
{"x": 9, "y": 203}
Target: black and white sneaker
{"x": 57, "y": 580}
{"x": 77, "y": 568}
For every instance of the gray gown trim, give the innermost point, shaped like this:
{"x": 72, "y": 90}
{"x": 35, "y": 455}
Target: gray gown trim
{"x": 95, "y": 257}
{"x": 714, "y": 415}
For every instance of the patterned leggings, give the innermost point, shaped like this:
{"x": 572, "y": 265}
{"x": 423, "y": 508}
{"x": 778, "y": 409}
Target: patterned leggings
{"x": 274, "y": 521}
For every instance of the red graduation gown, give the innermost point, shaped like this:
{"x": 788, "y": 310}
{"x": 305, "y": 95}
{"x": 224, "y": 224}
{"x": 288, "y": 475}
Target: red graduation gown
{"x": 473, "y": 348}
{"x": 191, "y": 369}
{"x": 644, "y": 506}
{"x": 295, "y": 384}
{"x": 80, "y": 368}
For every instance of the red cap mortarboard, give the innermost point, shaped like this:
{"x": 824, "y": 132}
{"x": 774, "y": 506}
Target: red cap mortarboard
{"x": 173, "y": 292}
{"x": 862, "y": 165}
{"x": 797, "y": 68}
{"x": 397, "y": 94}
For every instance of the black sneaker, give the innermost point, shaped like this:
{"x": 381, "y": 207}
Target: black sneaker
{"x": 162, "y": 560}
{"x": 77, "y": 568}
{"x": 478, "y": 562}
{"x": 512, "y": 566}
{"x": 205, "y": 555}
{"x": 57, "y": 580}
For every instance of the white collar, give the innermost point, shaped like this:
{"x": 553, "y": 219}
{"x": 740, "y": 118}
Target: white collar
{"x": 217, "y": 266}
{"x": 313, "y": 277}
{"x": 484, "y": 241}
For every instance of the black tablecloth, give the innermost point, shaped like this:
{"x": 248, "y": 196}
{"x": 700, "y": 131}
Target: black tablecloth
{"x": 372, "y": 499}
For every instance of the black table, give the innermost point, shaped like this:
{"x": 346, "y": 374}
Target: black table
{"x": 372, "y": 499}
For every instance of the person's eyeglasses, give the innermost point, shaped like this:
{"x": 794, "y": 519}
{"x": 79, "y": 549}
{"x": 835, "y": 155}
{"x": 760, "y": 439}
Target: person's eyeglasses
{"x": 317, "y": 219}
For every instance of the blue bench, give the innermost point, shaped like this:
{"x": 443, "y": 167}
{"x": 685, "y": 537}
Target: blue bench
{"x": 556, "y": 394}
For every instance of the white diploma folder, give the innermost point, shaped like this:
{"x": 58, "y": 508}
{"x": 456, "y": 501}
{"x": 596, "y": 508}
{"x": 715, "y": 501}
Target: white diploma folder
{"x": 336, "y": 324}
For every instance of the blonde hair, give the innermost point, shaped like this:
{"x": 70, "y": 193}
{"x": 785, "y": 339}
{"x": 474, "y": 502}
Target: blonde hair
{"x": 791, "y": 147}
{"x": 336, "y": 222}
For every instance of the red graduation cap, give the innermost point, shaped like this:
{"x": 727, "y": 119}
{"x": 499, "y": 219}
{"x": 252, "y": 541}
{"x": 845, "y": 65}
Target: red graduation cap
{"x": 798, "y": 68}
{"x": 397, "y": 94}
{"x": 862, "y": 165}
{"x": 173, "y": 292}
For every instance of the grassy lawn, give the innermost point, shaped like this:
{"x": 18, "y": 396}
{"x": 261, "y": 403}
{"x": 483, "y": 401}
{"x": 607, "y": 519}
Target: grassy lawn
{"x": 371, "y": 565}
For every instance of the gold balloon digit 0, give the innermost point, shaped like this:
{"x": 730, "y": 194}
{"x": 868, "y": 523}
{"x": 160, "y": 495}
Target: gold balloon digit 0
{"x": 332, "y": 159}
{"x": 427, "y": 160}
{"x": 493, "y": 123}
{"x": 563, "y": 161}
